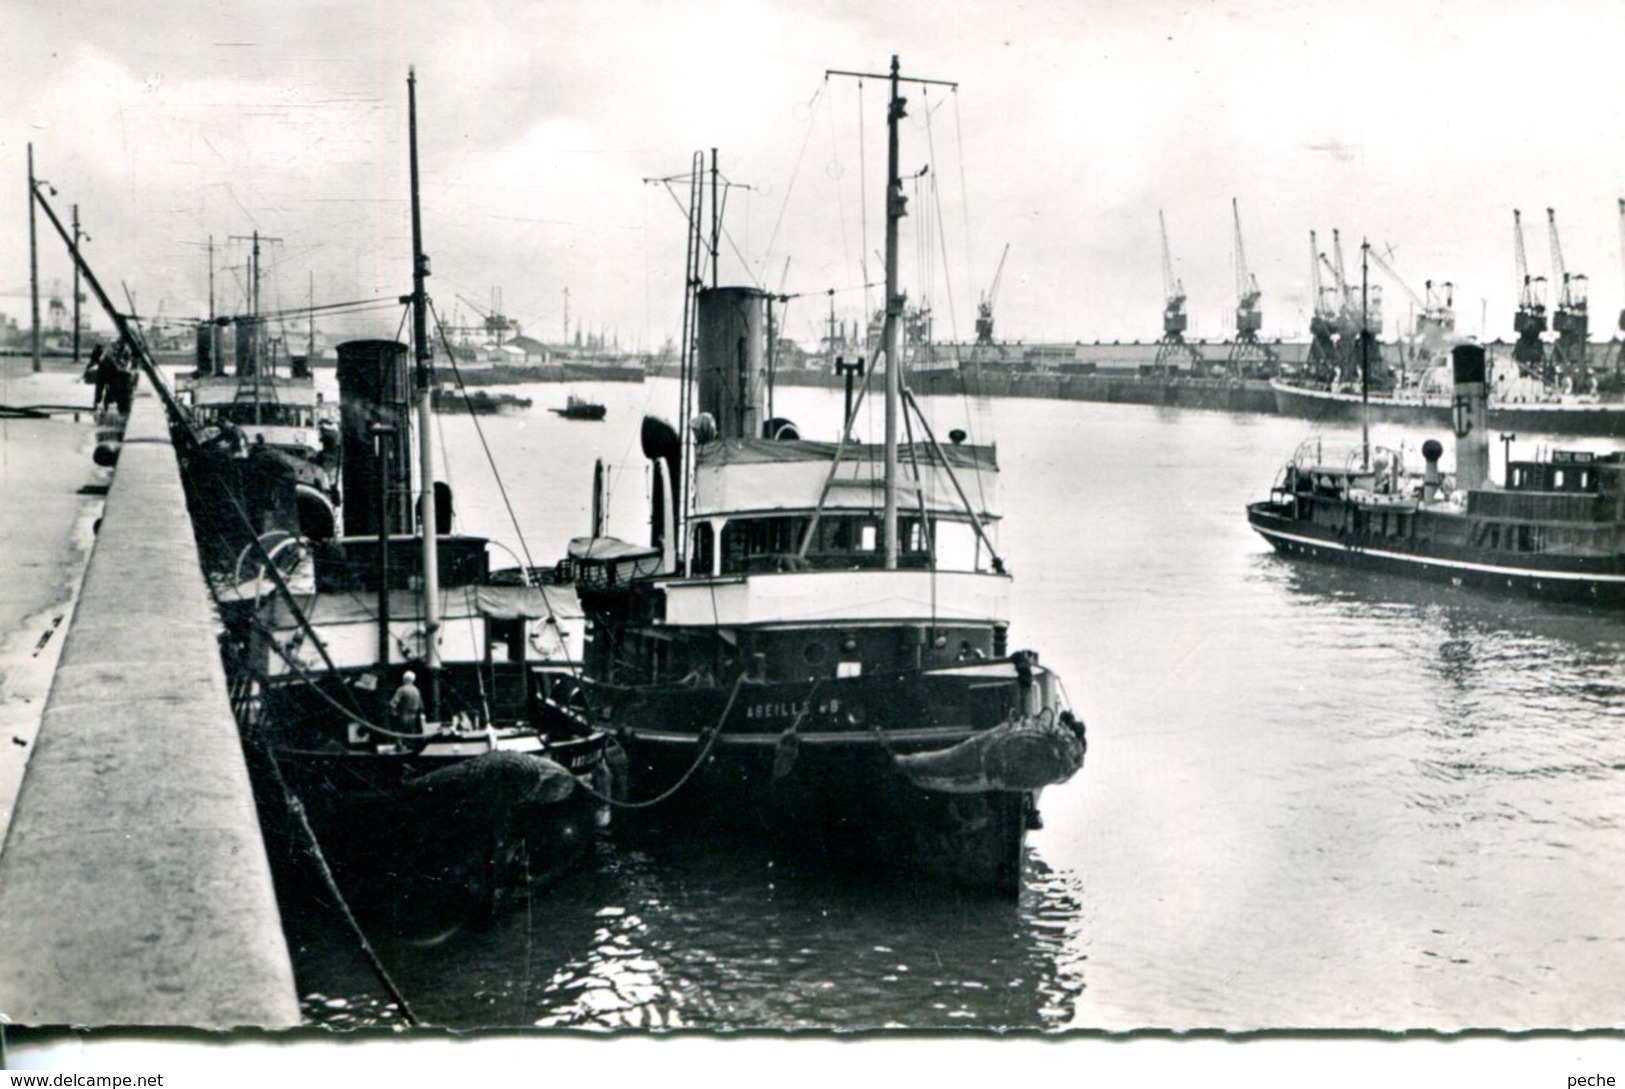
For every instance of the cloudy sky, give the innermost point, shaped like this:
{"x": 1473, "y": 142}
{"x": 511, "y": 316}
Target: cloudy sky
{"x": 1417, "y": 125}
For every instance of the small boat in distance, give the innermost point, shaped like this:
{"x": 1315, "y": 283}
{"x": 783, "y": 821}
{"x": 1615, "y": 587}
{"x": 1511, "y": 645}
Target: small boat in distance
{"x": 478, "y": 402}
{"x": 577, "y": 408}
{"x": 1555, "y": 529}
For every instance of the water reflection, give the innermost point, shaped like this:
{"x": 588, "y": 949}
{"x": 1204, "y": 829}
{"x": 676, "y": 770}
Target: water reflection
{"x": 1372, "y": 593}
{"x": 676, "y": 935}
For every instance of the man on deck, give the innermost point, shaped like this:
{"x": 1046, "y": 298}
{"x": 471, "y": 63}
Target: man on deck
{"x": 406, "y": 705}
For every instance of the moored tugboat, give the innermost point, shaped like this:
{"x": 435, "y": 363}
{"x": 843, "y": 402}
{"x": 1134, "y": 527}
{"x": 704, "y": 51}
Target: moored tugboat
{"x": 1554, "y": 529}
{"x": 813, "y": 646}
{"x": 413, "y": 707}
{"x": 265, "y": 452}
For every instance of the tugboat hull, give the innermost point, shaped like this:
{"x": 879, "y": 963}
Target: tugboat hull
{"x": 444, "y": 838}
{"x": 1577, "y": 579}
{"x": 823, "y": 767}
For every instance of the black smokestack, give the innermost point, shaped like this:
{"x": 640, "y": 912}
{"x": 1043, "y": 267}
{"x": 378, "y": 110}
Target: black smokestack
{"x": 375, "y": 388}
{"x": 732, "y": 360}
{"x": 1467, "y": 362}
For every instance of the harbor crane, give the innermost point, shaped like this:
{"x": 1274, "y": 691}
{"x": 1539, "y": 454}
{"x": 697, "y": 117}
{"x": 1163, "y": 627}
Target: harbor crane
{"x": 495, "y": 323}
{"x": 1529, "y": 352}
{"x": 1622, "y": 253}
{"x": 1359, "y": 321}
{"x": 1248, "y": 356}
{"x": 1322, "y": 360}
{"x": 1172, "y": 347}
{"x": 1569, "y": 318}
{"x": 1434, "y": 319}
{"x": 1614, "y": 361}
{"x": 984, "y": 309}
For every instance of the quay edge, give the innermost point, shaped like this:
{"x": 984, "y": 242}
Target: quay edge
{"x": 134, "y": 885}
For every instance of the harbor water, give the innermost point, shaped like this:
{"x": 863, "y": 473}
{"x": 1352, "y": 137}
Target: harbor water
{"x": 1314, "y": 798}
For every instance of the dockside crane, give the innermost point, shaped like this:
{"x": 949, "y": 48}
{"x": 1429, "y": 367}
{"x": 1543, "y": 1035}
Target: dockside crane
{"x": 494, "y": 322}
{"x": 1529, "y": 351}
{"x": 1614, "y": 361}
{"x": 1322, "y": 359}
{"x": 1359, "y": 323}
{"x": 1434, "y": 321}
{"x": 984, "y": 309}
{"x": 1172, "y": 347}
{"x": 1248, "y": 356}
{"x": 1570, "y": 321}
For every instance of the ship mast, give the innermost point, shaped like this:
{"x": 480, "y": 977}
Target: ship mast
{"x": 425, "y": 390}
{"x": 1365, "y": 360}
{"x": 896, "y": 209}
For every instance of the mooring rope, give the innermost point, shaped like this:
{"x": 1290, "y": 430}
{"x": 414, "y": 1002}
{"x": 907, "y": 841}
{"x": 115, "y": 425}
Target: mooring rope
{"x": 291, "y": 800}
{"x": 710, "y": 735}
{"x": 314, "y": 847}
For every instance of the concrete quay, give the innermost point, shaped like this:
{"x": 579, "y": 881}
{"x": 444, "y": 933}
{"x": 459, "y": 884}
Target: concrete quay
{"x": 134, "y": 886}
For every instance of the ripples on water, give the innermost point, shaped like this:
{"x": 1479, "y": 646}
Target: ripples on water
{"x": 1314, "y": 797}
{"x": 682, "y": 936}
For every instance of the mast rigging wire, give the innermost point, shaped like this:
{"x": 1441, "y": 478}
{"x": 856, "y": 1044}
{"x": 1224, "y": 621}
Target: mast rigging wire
{"x": 863, "y": 220}
{"x": 942, "y": 232}
{"x": 806, "y": 140}
{"x": 485, "y": 446}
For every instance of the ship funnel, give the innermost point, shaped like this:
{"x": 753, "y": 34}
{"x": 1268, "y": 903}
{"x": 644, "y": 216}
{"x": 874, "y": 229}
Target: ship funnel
{"x": 249, "y": 331}
{"x": 1468, "y": 416}
{"x": 375, "y": 388}
{"x": 731, "y": 359}
{"x": 206, "y": 355}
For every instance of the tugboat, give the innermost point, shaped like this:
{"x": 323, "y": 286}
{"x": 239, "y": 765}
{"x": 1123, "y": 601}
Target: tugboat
{"x": 577, "y": 408}
{"x": 477, "y": 402}
{"x": 816, "y": 642}
{"x": 265, "y": 451}
{"x": 1555, "y": 529}
{"x": 487, "y": 778}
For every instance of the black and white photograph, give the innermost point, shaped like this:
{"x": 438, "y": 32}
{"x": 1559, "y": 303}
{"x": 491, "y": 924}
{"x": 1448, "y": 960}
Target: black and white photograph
{"x": 981, "y": 539}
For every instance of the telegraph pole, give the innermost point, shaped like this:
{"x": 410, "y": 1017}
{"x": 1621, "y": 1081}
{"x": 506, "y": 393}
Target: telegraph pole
{"x": 33, "y": 257}
{"x": 78, "y": 237}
